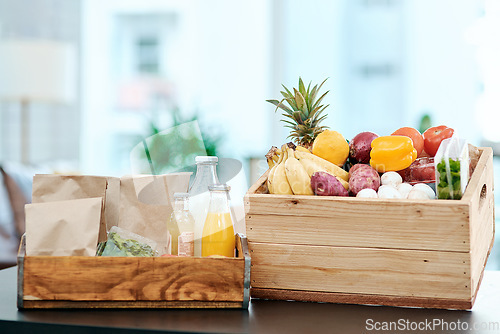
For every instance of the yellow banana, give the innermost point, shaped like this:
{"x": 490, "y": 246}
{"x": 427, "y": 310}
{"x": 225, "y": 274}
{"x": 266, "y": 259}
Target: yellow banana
{"x": 272, "y": 156}
{"x": 328, "y": 166}
{"x": 270, "y": 162}
{"x": 299, "y": 180}
{"x": 270, "y": 176}
{"x": 302, "y": 149}
{"x": 279, "y": 182}
{"x": 312, "y": 166}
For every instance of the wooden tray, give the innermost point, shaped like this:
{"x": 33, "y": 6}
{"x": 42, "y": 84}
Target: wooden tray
{"x": 372, "y": 251}
{"x": 134, "y": 282}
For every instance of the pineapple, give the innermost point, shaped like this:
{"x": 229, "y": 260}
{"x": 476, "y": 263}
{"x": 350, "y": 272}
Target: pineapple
{"x": 303, "y": 115}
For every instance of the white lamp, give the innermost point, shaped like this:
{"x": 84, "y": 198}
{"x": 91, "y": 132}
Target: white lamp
{"x": 36, "y": 71}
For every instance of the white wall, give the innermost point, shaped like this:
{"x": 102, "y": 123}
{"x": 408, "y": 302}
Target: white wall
{"x": 443, "y": 72}
{"x": 220, "y": 63}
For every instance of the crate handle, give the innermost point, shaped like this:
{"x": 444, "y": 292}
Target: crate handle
{"x": 482, "y": 196}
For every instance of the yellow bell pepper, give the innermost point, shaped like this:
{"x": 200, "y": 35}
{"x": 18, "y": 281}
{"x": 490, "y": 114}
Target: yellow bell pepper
{"x": 392, "y": 153}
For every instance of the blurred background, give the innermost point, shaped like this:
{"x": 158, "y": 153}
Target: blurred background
{"x": 84, "y": 81}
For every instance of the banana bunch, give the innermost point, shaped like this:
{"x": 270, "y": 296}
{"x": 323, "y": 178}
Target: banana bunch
{"x": 291, "y": 167}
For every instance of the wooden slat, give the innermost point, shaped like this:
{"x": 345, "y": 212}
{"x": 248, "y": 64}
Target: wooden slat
{"x": 133, "y": 279}
{"x": 392, "y": 272}
{"x": 259, "y": 187}
{"x": 51, "y": 304}
{"x": 370, "y": 230}
{"x": 349, "y": 298}
{"x": 352, "y": 208}
{"x": 482, "y": 220}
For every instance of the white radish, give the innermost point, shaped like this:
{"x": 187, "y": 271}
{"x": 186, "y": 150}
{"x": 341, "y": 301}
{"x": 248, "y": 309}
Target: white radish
{"x": 425, "y": 188}
{"x": 385, "y": 191}
{"x": 367, "y": 193}
{"x": 404, "y": 189}
{"x": 391, "y": 179}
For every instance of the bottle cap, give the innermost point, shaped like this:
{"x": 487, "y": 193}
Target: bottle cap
{"x": 181, "y": 195}
{"x": 219, "y": 187}
{"x": 206, "y": 159}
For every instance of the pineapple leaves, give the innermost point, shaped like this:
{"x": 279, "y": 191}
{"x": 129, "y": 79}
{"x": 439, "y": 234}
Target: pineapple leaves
{"x": 288, "y": 92}
{"x": 279, "y": 104}
{"x": 304, "y": 112}
{"x": 319, "y": 100}
{"x": 301, "y": 85}
{"x": 299, "y": 99}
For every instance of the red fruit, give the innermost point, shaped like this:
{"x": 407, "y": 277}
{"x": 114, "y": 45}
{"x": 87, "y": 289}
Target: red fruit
{"x": 434, "y": 136}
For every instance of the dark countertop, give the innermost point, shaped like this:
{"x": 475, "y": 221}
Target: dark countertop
{"x": 263, "y": 316}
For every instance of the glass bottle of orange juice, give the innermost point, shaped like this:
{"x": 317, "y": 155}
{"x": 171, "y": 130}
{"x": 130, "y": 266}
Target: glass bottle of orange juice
{"x": 218, "y": 231}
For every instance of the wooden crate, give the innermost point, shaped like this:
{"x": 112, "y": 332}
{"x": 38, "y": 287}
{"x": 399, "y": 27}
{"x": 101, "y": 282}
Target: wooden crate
{"x": 372, "y": 251}
{"x": 134, "y": 282}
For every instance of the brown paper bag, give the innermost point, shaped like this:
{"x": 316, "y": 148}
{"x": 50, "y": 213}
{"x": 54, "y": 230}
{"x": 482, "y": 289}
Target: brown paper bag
{"x": 146, "y": 204}
{"x": 54, "y": 187}
{"x": 63, "y": 228}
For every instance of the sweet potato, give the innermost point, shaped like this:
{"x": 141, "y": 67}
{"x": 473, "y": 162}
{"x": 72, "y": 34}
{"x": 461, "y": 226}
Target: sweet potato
{"x": 362, "y": 178}
{"x": 325, "y": 184}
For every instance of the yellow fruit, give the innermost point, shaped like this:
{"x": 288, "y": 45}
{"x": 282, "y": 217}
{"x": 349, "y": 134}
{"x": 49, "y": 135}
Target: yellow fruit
{"x": 331, "y": 146}
{"x": 302, "y": 149}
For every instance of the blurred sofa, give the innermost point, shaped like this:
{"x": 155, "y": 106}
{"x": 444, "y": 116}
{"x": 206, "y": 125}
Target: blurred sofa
{"x": 15, "y": 192}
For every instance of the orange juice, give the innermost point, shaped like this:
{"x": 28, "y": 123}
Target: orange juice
{"x": 218, "y": 235}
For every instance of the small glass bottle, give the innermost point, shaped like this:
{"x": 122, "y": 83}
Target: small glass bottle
{"x": 181, "y": 227}
{"x": 206, "y": 175}
{"x": 218, "y": 231}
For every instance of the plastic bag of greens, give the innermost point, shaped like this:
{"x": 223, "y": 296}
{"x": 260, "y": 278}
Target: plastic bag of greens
{"x": 125, "y": 243}
{"x": 452, "y": 168}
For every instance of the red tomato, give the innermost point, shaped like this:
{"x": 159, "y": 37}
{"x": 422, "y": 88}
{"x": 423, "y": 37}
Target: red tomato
{"x": 434, "y": 136}
{"x": 414, "y": 134}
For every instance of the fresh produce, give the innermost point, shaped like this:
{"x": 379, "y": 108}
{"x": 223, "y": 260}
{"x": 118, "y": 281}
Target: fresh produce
{"x": 414, "y": 134}
{"x": 358, "y": 166}
{"x": 272, "y": 161}
{"x": 272, "y": 156}
{"x": 311, "y": 165}
{"x": 449, "y": 188}
{"x": 388, "y": 192}
{"x": 360, "y": 147}
{"x": 116, "y": 245}
{"x": 302, "y": 149}
{"x": 434, "y": 136}
{"x": 297, "y": 177}
{"x": 404, "y": 189}
{"x": 367, "y": 193}
{"x": 391, "y": 179}
{"x": 303, "y": 113}
{"x": 331, "y": 146}
{"x": 328, "y": 166}
{"x": 392, "y": 153}
{"x": 325, "y": 184}
{"x": 294, "y": 176}
{"x": 362, "y": 178}
{"x": 426, "y": 189}
{"x": 279, "y": 182}
{"x": 420, "y": 171}
{"x": 417, "y": 194}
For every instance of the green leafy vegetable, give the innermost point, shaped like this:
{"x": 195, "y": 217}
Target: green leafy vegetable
{"x": 443, "y": 186}
{"x": 118, "y": 246}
